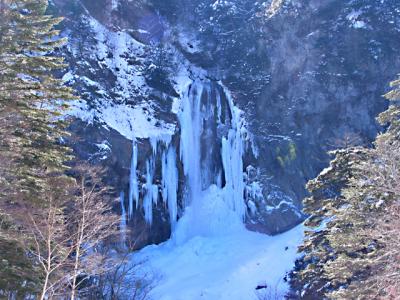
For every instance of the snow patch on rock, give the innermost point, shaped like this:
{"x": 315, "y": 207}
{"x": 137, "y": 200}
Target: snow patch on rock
{"x": 354, "y": 18}
{"x": 131, "y": 122}
{"x": 114, "y": 51}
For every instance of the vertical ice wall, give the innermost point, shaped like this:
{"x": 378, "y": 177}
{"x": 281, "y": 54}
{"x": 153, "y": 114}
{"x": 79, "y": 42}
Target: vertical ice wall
{"x": 232, "y": 158}
{"x": 211, "y": 153}
{"x": 190, "y": 120}
{"x": 170, "y": 179}
{"x": 214, "y": 207}
{"x": 133, "y": 182}
{"x": 150, "y": 192}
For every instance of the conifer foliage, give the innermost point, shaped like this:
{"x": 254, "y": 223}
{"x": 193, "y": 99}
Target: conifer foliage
{"x": 52, "y": 226}
{"x": 351, "y": 245}
{"x": 32, "y": 155}
{"x": 30, "y": 94}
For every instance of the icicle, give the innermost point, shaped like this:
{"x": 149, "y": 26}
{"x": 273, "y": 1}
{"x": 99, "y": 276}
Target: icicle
{"x": 155, "y": 194}
{"x": 254, "y": 148}
{"x": 123, "y": 218}
{"x": 254, "y": 191}
{"x": 164, "y": 183}
{"x": 219, "y": 179}
{"x": 170, "y": 184}
{"x": 219, "y": 107}
{"x": 154, "y": 144}
{"x": 165, "y": 139}
{"x": 151, "y": 192}
{"x": 133, "y": 182}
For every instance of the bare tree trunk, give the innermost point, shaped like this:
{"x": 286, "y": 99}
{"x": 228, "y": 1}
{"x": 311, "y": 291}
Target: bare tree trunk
{"x": 79, "y": 242}
{"x": 94, "y": 222}
{"x": 48, "y": 265}
{"x": 76, "y": 264}
{"x": 45, "y": 284}
{"x": 51, "y": 248}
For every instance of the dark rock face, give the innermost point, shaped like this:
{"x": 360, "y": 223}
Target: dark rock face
{"x": 330, "y": 64}
{"x": 309, "y": 76}
{"x": 109, "y": 148}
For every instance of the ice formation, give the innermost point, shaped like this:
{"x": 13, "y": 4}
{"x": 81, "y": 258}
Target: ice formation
{"x": 212, "y": 208}
{"x": 150, "y": 192}
{"x": 170, "y": 184}
{"x": 232, "y": 158}
{"x": 123, "y": 218}
{"x": 191, "y": 128}
{"x": 133, "y": 182}
{"x": 210, "y": 254}
{"x": 211, "y": 150}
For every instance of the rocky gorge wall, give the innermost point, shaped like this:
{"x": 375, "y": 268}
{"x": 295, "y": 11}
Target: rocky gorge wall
{"x": 308, "y": 76}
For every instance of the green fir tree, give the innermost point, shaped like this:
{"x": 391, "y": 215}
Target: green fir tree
{"x": 32, "y": 153}
{"x": 345, "y": 252}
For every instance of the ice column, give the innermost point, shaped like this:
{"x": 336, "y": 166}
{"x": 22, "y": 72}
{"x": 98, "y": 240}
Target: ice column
{"x": 170, "y": 184}
{"x": 151, "y": 192}
{"x": 191, "y": 128}
{"x": 133, "y": 182}
{"x": 123, "y": 218}
{"x": 232, "y": 159}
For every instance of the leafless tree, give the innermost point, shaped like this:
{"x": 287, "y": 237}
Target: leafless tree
{"x": 347, "y": 140}
{"x": 127, "y": 278}
{"x": 93, "y": 223}
{"x": 50, "y": 246}
{"x": 66, "y": 232}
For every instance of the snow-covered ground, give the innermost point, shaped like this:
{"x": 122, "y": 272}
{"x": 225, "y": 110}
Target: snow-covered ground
{"x": 222, "y": 267}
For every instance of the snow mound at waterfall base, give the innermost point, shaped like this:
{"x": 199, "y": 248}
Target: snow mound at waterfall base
{"x": 210, "y": 215}
{"x": 222, "y": 267}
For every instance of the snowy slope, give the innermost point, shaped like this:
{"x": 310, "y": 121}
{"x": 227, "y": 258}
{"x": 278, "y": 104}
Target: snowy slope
{"x": 119, "y": 97}
{"x": 226, "y": 267}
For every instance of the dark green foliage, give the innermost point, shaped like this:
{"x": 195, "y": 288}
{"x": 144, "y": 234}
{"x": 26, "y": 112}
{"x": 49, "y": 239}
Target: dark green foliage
{"x": 17, "y": 276}
{"x": 345, "y": 252}
{"x": 391, "y": 117}
{"x": 32, "y": 154}
{"x": 30, "y": 96}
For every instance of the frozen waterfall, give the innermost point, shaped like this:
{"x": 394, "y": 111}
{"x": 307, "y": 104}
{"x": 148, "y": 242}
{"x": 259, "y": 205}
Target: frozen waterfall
{"x": 213, "y": 208}
{"x": 211, "y": 148}
{"x": 211, "y": 255}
